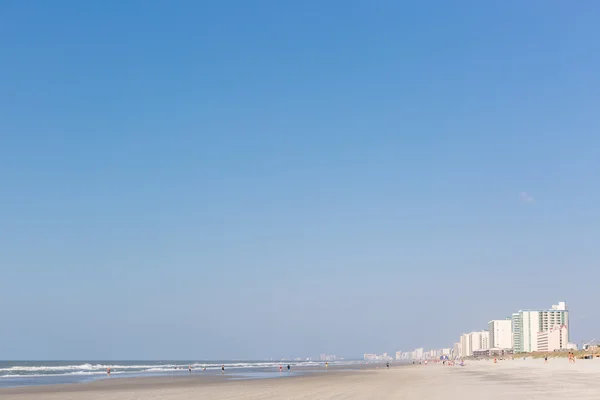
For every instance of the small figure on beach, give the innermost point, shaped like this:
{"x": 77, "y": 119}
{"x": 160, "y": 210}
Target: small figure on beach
{"x": 108, "y": 371}
{"x": 546, "y": 360}
{"x": 190, "y": 368}
{"x": 326, "y": 365}
{"x": 280, "y": 368}
{"x": 204, "y": 369}
{"x": 289, "y": 367}
{"x": 222, "y": 369}
{"x": 387, "y": 365}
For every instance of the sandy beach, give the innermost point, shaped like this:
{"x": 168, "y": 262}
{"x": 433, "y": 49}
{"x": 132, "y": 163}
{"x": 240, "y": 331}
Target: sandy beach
{"x": 514, "y": 379}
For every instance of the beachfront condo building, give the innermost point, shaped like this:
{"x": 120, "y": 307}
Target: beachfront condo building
{"x": 471, "y": 342}
{"x": 419, "y": 354}
{"x": 457, "y": 350}
{"x": 527, "y": 323}
{"x": 479, "y": 340}
{"x": 465, "y": 345}
{"x": 500, "y": 333}
{"x": 554, "y": 339}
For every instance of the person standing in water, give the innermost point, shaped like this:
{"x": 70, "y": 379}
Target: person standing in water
{"x": 280, "y": 368}
{"x": 289, "y": 367}
{"x": 190, "y": 369}
{"x": 222, "y": 369}
{"x": 108, "y": 371}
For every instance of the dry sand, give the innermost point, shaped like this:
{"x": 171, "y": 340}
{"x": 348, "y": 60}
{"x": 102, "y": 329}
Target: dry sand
{"x": 518, "y": 379}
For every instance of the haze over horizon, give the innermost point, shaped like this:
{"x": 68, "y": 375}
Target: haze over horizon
{"x": 237, "y": 180}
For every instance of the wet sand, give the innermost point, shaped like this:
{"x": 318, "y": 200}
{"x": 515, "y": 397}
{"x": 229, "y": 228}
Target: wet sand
{"x": 518, "y": 379}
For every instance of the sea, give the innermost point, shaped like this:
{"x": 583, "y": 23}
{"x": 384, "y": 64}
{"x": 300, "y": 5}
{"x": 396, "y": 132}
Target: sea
{"x": 33, "y": 373}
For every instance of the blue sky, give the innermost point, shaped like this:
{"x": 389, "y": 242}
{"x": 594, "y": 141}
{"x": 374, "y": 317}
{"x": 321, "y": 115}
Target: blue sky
{"x": 262, "y": 179}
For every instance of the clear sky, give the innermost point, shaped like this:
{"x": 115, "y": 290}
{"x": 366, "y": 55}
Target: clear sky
{"x": 249, "y": 179}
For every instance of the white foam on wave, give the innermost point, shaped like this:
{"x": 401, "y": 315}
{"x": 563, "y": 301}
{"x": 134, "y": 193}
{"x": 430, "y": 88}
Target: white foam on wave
{"x": 79, "y": 367}
{"x": 76, "y": 373}
{"x": 97, "y": 369}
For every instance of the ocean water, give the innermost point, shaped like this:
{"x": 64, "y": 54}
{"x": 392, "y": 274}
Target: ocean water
{"x": 30, "y": 373}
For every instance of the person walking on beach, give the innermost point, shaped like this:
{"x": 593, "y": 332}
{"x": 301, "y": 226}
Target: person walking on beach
{"x": 289, "y": 367}
{"x": 280, "y": 368}
{"x": 387, "y": 365}
{"x": 108, "y": 371}
{"x": 546, "y": 360}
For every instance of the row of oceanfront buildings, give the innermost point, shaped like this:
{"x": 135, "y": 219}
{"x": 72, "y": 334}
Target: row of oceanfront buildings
{"x": 526, "y": 331}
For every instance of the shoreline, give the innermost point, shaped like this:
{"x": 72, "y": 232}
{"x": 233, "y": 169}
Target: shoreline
{"x": 519, "y": 379}
{"x": 42, "y": 373}
{"x": 117, "y": 382}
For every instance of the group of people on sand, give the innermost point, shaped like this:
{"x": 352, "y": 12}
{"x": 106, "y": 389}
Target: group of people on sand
{"x": 571, "y": 357}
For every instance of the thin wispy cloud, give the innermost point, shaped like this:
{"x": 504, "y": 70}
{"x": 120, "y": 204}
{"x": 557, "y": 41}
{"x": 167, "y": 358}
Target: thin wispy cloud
{"x": 526, "y": 198}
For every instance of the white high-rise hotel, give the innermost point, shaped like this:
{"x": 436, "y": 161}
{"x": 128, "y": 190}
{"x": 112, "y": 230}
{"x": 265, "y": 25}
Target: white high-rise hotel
{"x": 500, "y": 334}
{"x": 527, "y": 324}
{"x": 480, "y": 341}
{"x": 474, "y": 341}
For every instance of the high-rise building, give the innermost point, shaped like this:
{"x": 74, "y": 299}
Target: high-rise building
{"x": 418, "y": 354}
{"x": 457, "y": 352}
{"x": 527, "y": 323}
{"x": 479, "y": 341}
{"x": 558, "y": 315}
{"x": 500, "y": 334}
{"x": 517, "y": 332}
{"x": 465, "y": 345}
{"x": 527, "y": 327}
{"x": 553, "y": 339}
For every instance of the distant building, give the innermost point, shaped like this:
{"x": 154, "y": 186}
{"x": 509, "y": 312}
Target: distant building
{"x": 457, "y": 352}
{"x": 527, "y": 323}
{"x": 465, "y": 345}
{"x": 492, "y": 352}
{"x": 370, "y": 357}
{"x": 419, "y": 354}
{"x": 500, "y": 333}
{"x": 554, "y": 339}
{"x": 479, "y": 340}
